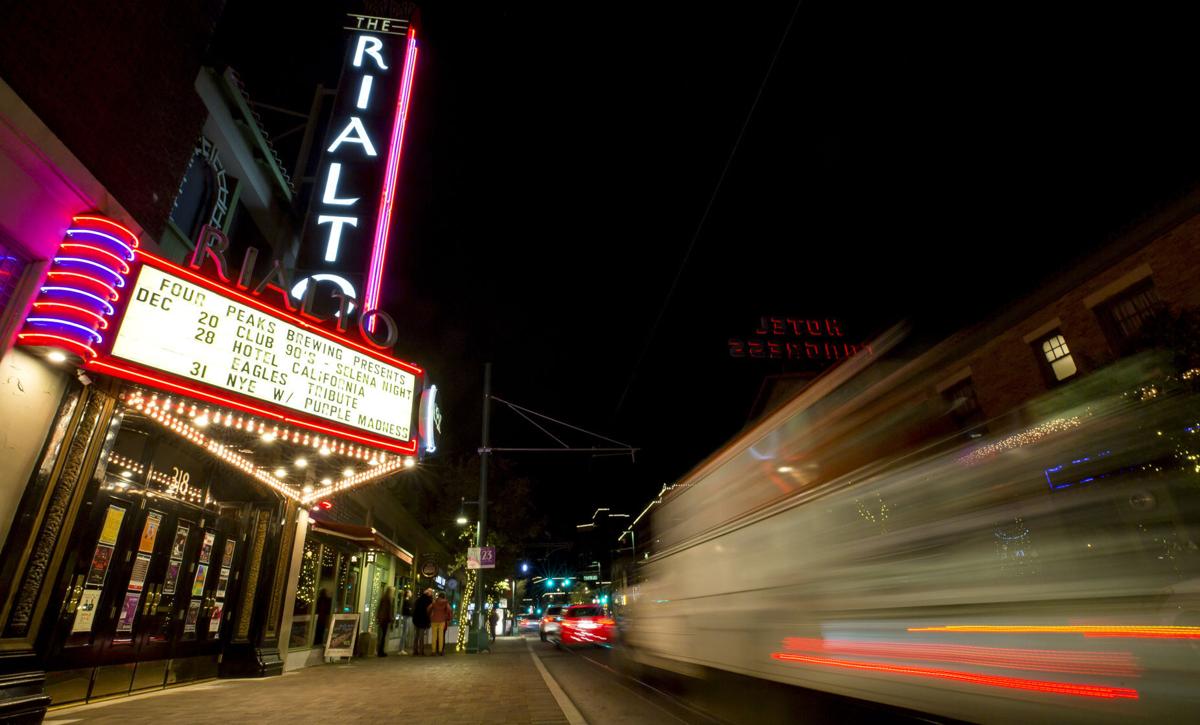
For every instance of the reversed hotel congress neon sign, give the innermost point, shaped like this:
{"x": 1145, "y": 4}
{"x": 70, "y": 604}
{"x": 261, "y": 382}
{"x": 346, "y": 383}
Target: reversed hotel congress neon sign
{"x": 361, "y": 162}
{"x": 136, "y": 316}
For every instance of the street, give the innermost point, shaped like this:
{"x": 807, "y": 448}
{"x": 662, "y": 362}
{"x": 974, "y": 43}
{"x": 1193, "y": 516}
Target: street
{"x": 504, "y": 686}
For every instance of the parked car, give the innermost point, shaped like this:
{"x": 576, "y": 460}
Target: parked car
{"x": 550, "y": 620}
{"x": 586, "y": 624}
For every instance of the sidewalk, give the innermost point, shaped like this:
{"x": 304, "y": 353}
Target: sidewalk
{"x": 501, "y": 687}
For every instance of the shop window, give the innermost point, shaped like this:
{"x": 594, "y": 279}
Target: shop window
{"x": 304, "y": 619}
{"x": 1057, "y": 356}
{"x": 1124, "y": 316}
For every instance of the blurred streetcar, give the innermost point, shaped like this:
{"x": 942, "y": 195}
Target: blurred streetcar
{"x": 1047, "y": 573}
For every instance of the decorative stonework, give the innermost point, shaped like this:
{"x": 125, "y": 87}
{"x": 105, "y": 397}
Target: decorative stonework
{"x": 253, "y": 567}
{"x": 55, "y": 518}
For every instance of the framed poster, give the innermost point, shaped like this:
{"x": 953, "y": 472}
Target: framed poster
{"x": 172, "y": 577}
{"x": 99, "y": 569}
{"x": 222, "y": 584}
{"x": 343, "y": 631}
{"x": 112, "y": 524}
{"x": 193, "y": 615}
{"x": 206, "y": 548}
{"x": 85, "y": 612}
{"x": 180, "y": 543}
{"x": 227, "y": 556}
{"x": 128, "y": 611}
{"x": 214, "y": 621}
{"x": 150, "y": 531}
{"x": 198, "y": 582}
{"x": 137, "y": 578}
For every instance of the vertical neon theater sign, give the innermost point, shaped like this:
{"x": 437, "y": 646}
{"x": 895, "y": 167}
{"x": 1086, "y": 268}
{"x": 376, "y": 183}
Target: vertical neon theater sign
{"x": 356, "y": 169}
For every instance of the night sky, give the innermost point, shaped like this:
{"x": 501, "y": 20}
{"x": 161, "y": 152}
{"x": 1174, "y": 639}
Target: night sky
{"x": 899, "y": 164}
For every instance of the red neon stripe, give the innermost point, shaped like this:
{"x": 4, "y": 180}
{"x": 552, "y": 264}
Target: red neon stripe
{"x": 160, "y": 263}
{"x": 128, "y": 372}
{"x": 25, "y": 337}
{"x": 133, "y": 238}
{"x": 1013, "y": 683}
{"x": 1044, "y": 660}
{"x": 383, "y": 228}
{"x": 97, "y": 250}
{"x": 112, "y": 293}
{"x": 75, "y": 308}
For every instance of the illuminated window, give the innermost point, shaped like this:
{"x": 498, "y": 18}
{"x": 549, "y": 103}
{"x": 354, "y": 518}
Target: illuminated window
{"x": 1125, "y": 315}
{"x": 1058, "y": 356}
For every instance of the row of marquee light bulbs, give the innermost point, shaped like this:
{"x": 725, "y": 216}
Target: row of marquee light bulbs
{"x": 188, "y": 420}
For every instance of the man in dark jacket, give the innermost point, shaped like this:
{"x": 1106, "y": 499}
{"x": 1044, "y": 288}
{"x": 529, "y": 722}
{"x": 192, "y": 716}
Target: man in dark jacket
{"x": 421, "y": 620}
{"x": 384, "y": 614}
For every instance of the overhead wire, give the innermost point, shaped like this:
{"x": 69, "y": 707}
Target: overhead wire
{"x": 707, "y": 209}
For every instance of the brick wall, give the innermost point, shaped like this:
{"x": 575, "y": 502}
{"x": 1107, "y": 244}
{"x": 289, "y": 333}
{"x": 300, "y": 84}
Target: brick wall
{"x": 115, "y": 83}
{"x": 1007, "y": 371}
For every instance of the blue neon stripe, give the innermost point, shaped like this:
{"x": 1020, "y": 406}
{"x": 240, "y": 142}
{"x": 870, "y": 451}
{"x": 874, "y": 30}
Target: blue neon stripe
{"x": 56, "y": 321}
{"x": 108, "y": 309}
{"x": 116, "y": 275}
{"x": 128, "y": 250}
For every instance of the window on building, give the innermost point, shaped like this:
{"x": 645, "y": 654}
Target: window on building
{"x": 964, "y": 405}
{"x": 1057, "y": 355}
{"x": 1124, "y": 315}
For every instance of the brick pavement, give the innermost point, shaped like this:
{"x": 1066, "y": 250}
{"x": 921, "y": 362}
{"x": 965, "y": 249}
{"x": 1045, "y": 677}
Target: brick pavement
{"x": 497, "y": 688}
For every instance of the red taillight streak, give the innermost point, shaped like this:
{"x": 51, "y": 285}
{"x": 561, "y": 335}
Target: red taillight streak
{"x": 129, "y": 373}
{"x": 1085, "y": 663}
{"x": 110, "y": 224}
{"x": 29, "y": 337}
{"x": 1142, "y": 635}
{"x": 160, "y": 263}
{"x": 74, "y": 308}
{"x": 1014, "y": 683}
{"x": 1088, "y": 630}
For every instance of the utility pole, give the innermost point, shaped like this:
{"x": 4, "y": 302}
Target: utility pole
{"x": 481, "y": 532}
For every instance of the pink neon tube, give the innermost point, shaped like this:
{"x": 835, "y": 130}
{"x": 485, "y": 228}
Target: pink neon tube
{"x": 383, "y": 223}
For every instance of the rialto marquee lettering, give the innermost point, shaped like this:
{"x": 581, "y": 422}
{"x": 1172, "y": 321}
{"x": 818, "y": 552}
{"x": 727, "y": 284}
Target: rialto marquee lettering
{"x": 348, "y": 228}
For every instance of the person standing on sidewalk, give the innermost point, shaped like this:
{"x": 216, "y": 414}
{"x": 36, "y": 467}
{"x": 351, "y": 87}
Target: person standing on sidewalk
{"x": 440, "y": 615}
{"x": 421, "y": 620}
{"x": 492, "y": 619}
{"x": 384, "y": 614}
{"x": 406, "y": 625}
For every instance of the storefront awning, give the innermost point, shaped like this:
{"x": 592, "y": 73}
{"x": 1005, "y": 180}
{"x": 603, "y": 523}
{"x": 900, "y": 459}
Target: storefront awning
{"x": 365, "y": 536}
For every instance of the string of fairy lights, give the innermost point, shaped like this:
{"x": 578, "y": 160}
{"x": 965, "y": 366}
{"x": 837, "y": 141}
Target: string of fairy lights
{"x": 1029, "y": 436}
{"x": 197, "y": 424}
